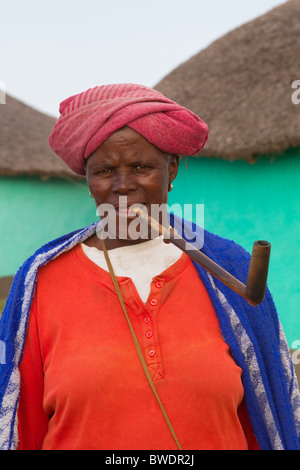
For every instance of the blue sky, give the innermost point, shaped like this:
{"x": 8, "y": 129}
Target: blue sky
{"x": 51, "y": 50}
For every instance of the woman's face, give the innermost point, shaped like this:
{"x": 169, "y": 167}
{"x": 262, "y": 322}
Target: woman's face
{"x": 126, "y": 164}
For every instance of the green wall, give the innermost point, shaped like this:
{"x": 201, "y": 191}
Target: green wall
{"x": 33, "y": 212}
{"x": 242, "y": 202}
{"x": 245, "y": 203}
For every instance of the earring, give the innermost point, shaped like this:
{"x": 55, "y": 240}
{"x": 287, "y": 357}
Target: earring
{"x": 91, "y": 195}
{"x": 170, "y": 187}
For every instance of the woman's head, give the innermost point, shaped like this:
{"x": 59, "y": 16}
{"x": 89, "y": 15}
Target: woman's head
{"x": 126, "y": 138}
{"x": 127, "y": 170}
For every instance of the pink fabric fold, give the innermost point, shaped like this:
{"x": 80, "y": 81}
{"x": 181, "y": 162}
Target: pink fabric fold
{"x": 89, "y": 118}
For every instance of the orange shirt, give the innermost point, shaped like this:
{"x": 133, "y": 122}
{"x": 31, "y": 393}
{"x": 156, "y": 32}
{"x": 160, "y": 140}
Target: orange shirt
{"x": 82, "y": 385}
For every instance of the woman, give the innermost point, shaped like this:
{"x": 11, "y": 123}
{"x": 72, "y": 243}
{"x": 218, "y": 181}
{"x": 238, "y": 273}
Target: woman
{"x": 122, "y": 342}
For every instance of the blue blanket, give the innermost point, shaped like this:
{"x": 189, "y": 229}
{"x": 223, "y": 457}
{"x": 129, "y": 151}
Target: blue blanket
{"x": 254, "y": 335}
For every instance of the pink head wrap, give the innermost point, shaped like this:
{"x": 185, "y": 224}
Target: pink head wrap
{"x": 89, "y": 118}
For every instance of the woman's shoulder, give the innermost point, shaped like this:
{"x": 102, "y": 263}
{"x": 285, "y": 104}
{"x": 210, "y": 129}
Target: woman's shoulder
{"x": 59, "y": 245}
{"x": 228, "y": 254}
{"x": 223, "y": 251}
{"x": 223, "y": 247}
{"x": 50, "y": 251}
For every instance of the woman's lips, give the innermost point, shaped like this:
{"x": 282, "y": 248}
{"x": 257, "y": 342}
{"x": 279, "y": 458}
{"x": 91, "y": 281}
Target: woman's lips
{"x": 127, "y": 210}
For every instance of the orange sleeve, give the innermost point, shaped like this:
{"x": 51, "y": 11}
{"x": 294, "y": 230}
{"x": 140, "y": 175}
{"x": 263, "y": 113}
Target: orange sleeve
{"x": 32, "y": 420}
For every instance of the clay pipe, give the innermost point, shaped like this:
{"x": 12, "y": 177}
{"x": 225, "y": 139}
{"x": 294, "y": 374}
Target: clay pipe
{"x": 253, "y": 291}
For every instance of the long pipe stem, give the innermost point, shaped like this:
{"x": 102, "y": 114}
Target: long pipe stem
{"x": 253, "y": 291}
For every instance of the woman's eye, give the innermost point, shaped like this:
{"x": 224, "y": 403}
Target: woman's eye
{"x": 141, "y": 167}
{"x": 105, "y": 171}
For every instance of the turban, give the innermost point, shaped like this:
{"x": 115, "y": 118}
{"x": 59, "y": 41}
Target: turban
{"x": 89, "y": 118}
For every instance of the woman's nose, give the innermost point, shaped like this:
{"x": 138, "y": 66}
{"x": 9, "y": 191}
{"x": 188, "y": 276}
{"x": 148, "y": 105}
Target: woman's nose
{"x": 123, "y": 183}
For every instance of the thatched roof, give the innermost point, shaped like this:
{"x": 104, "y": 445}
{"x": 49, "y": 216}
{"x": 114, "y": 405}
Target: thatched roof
{"x": 241, "y": 86}
{"x": 24, "y": 148}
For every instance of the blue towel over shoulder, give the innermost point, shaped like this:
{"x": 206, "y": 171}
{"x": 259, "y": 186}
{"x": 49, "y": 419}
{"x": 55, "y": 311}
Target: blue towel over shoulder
{"x": 254, "y": 335}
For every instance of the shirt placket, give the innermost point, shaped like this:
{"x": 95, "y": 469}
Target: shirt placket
{"x": 148, "y": 335}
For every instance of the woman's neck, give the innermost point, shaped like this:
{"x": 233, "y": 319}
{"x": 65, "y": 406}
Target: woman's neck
{"x": 112, "y": 243}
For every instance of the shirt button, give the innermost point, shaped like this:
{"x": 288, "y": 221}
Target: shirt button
{"x": 158, "y": 285}
{"x": 153, "y": 302}
{"x": 152, "y": 352}
{"x": 146, "y": 319}
{"x": 149, "y": 334}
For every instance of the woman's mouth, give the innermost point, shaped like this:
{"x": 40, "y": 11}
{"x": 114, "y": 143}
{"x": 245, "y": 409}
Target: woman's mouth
{"x": 127, "y": 211}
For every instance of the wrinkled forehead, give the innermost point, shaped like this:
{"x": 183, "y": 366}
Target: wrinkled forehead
{"x": 126, "y": 146}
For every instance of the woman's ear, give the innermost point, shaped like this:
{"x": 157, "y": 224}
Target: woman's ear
{"x": 173, "y": 167}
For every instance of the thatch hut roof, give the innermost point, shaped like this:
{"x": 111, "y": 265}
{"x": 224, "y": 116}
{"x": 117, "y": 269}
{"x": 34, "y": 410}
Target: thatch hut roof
{"x": 241, "y": 86}
{"x": 24, "y": 148}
